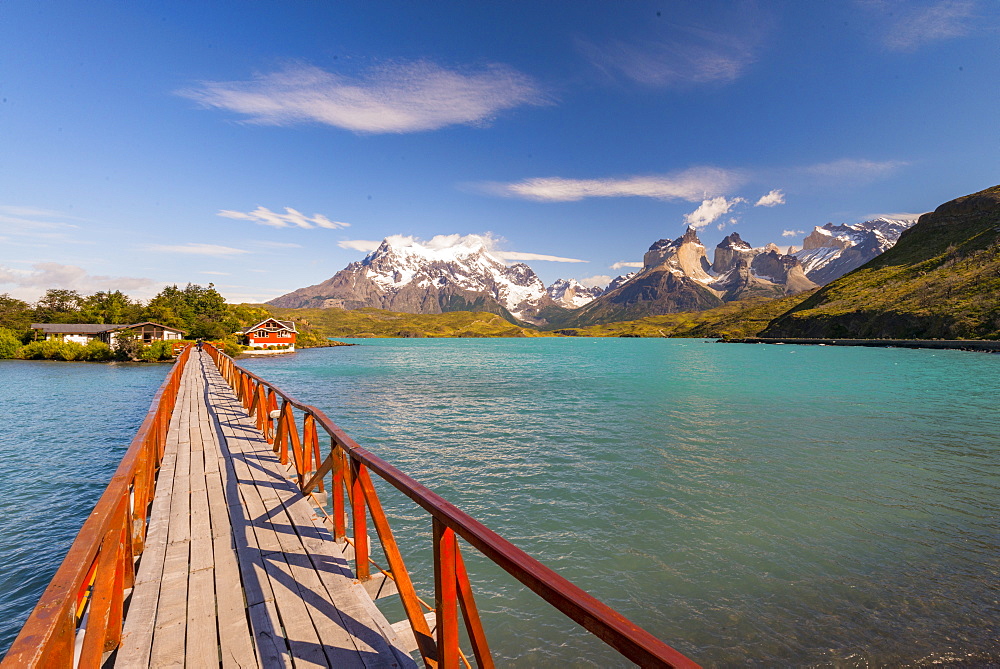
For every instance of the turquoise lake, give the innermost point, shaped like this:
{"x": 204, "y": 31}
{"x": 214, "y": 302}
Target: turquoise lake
{"x": 749, "y": 504}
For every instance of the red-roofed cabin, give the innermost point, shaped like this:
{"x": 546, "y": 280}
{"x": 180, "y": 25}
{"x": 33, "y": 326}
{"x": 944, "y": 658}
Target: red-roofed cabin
{"x": 271, "y": 335}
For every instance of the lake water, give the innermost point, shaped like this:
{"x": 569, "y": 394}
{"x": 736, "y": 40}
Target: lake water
{"x": 748, "y": 504}
{"x": 64, "y": 428}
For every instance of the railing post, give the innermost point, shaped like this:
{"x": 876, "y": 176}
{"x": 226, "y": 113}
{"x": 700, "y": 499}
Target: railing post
{"x": 310, "y": 447}
{"x": 446, "y": 595}
{"x": 358, "y": 522}
{"x": 337, "y": 490}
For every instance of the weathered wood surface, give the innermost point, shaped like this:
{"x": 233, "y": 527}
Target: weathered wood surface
{"x": 239, "y": 571}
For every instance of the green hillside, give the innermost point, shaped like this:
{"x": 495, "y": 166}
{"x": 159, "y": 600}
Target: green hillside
{"x": 940, "y": 281}
{"x": 379, "y": 323}
{"x": 746, "y": 318}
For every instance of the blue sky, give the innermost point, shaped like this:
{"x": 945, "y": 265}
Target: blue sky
{"x": 263, "y": 146}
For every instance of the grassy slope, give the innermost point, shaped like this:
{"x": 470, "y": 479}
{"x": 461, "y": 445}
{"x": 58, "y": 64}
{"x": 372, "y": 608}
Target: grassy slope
{"x": 736, "y": 319}
{"x": 746, "y": 318}
{"x": 941, "y": 280}
{"x": 380, "y": 323}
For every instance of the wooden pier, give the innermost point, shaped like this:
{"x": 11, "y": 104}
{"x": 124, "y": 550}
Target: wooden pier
{"x": 237, "y": 562}
{"x": 234, "y": 562}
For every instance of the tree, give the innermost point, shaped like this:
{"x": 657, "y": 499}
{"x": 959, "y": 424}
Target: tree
{"x": 114, "y": 307}
{"x": 128, "y": 346}
{"x": 59, "y": 305}
{"x": 15, "y": 314}
{"x": 9, "y": 344}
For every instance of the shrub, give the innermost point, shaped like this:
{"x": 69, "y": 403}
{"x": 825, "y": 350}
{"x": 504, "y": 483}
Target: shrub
{"x": 52, "y": 349}
{"x": 158, "y": 350}
{"x": 97, "y": 351}
{"x": 231, "y": 348}
{"x": 9, "y": 343}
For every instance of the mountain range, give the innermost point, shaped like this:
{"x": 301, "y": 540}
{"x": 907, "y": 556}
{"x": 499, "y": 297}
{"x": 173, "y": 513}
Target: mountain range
{"x": 461, "y": 274}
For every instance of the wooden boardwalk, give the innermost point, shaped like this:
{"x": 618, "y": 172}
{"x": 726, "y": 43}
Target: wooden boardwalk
{"x": 238, "y": 570}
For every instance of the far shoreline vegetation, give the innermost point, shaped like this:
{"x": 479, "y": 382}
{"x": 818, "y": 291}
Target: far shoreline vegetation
{"x": 203, "y": 313}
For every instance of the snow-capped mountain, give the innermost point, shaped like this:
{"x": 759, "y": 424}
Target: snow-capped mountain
{"x": 830, "y": 251}
{"x": 447, "y": 273}
{"x": 572, "y": 294}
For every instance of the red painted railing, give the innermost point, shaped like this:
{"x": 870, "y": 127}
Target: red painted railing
{"x": 85, "y": 597}
{"x": 349, "y": 467}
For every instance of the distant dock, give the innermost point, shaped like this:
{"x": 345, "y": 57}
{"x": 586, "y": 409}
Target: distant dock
{"x": 955, "y": 344}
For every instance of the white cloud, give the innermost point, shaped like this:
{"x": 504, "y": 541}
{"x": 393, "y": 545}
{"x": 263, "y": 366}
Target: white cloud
{"x": 772, "y": 199}
{"x": 710, "y": 211}
{"x": 855, "y": 168}
{"x": 596, "y": 281}
{"x": 393, "y": 98}
{"x": 909, "y": 25}
{"x": 31, "y": 284}
{"x": 292, "y": 218}
{"x": 792, "y": 233}
{"x": 519, "y": 256}
{"x": 621, "y": 263}
{"x": 364, "y": 245}
{"x": 215, "y": 273}
{"x": 193, "y": 248}
{"x": 692, "y": 185}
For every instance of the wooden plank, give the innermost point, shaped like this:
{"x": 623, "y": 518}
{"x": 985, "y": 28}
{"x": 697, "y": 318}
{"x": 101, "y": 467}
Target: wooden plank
{"x": 271, "y": 648}
{"x": 202, "y": 648}
{"x": 235, "y": 645}
{"x": 171, "y": 614}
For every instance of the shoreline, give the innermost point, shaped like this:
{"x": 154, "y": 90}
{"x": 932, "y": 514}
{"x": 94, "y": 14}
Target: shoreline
{"x": 981, "y": 345}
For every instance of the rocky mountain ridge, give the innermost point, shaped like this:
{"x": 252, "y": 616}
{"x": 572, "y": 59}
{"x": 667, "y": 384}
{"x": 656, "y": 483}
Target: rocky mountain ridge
{"x": 453, "y": 273}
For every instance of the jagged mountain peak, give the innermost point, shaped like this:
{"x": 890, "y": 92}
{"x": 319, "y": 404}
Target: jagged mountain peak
{"x": 734, "y": 241}
{"x": 571, "y": 294}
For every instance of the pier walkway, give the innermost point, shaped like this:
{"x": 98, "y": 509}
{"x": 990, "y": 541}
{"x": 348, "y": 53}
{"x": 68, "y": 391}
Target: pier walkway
{"x": 237, "y": 564}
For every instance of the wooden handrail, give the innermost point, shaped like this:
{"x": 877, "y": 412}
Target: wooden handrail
{"x": 89, "y": 586}
{"x": 348, "y": 465}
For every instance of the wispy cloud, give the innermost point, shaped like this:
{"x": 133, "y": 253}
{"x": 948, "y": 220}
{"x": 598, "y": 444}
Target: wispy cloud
{"x": 44, "y": 275}
{"x": 520, "y": 256}
{"x": 277, "y": 245}
{"x": 193, "y": 248}
{"x": 291, "y": 218}
{"x": 363, "y": 245}
{"x": 855, "y": 168}
{"x": 213, "y": 273}
{"x": 596, "y": 281}
{"x": 35, "y": 224}
{"x": 710, "y": 211}
{"x": 906, "y": 216}
{"x": 692, "y": 185}
{"x": 621, "y": 264}
{"x": 792, "y": 233}
{"x": 907, "y": 26}
{"x": 445, "y": 245}
{"x": 393, "y": 98}
{"x": 685, "y": 54}
{"x": 772, "y": 199}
